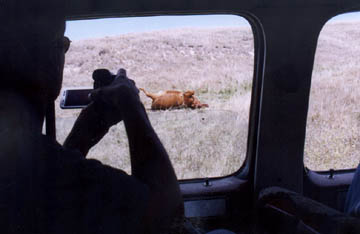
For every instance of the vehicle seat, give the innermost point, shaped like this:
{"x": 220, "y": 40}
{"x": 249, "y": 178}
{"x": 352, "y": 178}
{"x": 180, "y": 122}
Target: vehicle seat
{"x": 282, "y": 211}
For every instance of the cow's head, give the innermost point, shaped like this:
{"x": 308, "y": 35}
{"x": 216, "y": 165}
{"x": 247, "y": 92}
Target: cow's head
{"x": 191, "y": 101}
{"x": 189, "y": 98}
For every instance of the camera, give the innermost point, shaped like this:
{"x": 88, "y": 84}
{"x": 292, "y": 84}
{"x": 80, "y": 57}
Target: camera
{"x": 79, "y": 98}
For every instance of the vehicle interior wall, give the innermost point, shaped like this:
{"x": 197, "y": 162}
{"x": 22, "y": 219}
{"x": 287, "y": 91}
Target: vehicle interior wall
{"x": 285, "y": 35}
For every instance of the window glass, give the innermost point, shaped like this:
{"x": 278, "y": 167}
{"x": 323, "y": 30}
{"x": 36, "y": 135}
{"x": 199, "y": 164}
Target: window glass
{"x": 211, "y": 54}
{"x": 333, "y": 124}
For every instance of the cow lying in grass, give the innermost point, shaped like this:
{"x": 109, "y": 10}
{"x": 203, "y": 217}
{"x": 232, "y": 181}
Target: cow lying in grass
{"x": 173, "y": 99}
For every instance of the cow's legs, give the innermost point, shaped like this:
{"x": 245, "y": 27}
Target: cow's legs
{"x": 150, "y": 95}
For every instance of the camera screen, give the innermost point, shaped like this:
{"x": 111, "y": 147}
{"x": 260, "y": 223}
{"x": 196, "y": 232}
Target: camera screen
{"x": 76, "y": 98}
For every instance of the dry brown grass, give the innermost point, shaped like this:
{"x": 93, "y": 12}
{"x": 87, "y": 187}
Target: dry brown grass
{"x": 333, "y": 130}
{"x": 218, "y": 65}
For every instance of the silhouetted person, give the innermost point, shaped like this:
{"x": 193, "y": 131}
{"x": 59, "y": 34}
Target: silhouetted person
{"x": 48, "y": 188}
{"x": 352, "y": 203}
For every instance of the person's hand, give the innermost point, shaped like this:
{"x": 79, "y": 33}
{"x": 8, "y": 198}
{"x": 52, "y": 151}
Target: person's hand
{"x": 113, "y": 100}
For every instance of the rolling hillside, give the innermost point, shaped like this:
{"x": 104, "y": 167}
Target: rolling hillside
{"x": 218, "y": 64}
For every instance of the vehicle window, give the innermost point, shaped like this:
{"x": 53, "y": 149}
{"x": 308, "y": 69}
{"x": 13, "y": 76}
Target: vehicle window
{"x": 211, "y": 54}
{"x": 333, "y": 124}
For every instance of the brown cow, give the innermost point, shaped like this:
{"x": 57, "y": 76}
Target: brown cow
{"x": 171, "y": 99}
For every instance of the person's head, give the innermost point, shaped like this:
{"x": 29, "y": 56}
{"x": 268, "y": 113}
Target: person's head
{"x": 32, "y": 48}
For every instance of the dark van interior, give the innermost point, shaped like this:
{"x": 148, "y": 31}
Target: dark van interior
{"x": 273, "y": 191}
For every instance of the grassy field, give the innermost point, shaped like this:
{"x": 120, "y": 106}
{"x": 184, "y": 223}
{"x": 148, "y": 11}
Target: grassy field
{"x": 218, "y": 64}
{"x": 333, "y": 130}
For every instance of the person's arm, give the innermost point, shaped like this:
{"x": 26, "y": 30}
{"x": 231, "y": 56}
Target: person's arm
{"x": 91, "y": 125}
{"x": 89, "y": 128}
{"x": 150, "y": 163}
